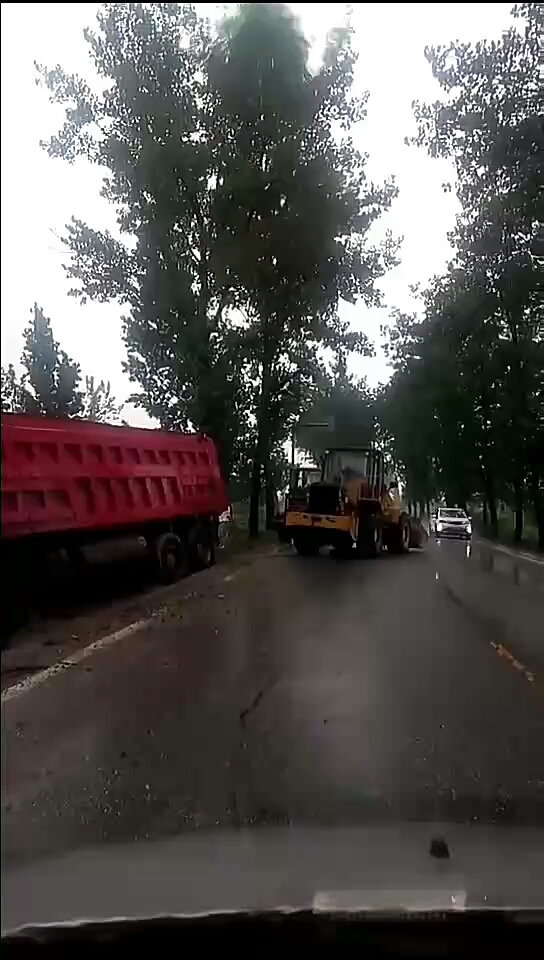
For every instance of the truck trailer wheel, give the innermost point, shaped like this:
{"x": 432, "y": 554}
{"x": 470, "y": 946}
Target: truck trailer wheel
{"x": 201, "y": 546}
{"x": 171, "y": 557}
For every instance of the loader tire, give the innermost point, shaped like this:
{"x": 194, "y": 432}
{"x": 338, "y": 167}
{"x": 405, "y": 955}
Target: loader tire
{"x": 305, "y": 547}
{"x": 344, "y": 549}
{"x": 370, "y": 539}
{"x": 399, "y": 537}
{"x": 418, "y": 535}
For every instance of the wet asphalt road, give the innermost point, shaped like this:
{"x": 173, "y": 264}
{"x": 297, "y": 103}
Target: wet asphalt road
{"x": 294, "y": 691}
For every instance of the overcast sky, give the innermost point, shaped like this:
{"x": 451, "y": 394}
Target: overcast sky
{"x": 40, "y": 195}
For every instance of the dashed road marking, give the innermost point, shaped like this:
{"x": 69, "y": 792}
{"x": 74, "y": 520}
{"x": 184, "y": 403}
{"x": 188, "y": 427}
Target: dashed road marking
{"x": 505, "y": 654}
{"x": 35, "y": 679}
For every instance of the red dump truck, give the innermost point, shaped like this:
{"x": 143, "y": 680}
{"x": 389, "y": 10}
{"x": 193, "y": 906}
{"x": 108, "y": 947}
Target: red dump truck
{"x": 70, "y": 483}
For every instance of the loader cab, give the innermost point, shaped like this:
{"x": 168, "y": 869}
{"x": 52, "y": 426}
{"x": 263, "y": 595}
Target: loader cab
{"x": 349, "y": 474}
{"x": 301, "y": 479}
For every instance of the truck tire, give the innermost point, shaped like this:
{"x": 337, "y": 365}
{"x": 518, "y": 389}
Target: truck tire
{"x": 201, "y": 546}
{"x": 171, "y": 557}
{"x": 399, "y": 536}
{"x": 306, "y": 547}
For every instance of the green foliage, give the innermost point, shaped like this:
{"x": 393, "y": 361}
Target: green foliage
{"x": 295, "y": 207}
{"x": 152, "y": 132}
{"x": 99, "y": 404}
{"x": 51, "y": 380}
{"x": 50, "y": 383}
{"x": 346, "y": 409}
{"x": 13, "y": 394}
{"x": 466, "y": 403}
{"x": 242, "y": 215}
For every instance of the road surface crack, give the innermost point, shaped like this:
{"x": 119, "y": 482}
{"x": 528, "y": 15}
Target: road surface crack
{"x": 255, "y": 702}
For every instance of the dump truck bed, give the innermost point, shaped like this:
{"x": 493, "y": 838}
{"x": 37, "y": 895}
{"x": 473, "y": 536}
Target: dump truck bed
{"x": 76, "y": 475}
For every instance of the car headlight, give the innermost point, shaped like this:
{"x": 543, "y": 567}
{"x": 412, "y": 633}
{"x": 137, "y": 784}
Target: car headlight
{"x": 439, "y": 526}
{"x": 468, "y": 527}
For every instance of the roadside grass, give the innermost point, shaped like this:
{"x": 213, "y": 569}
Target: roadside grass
{"x": 239, "y": 540}
{"x": 529, "y": 540}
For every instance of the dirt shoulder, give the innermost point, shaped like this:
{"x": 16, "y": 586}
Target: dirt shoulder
{"x": 45, "y": 641}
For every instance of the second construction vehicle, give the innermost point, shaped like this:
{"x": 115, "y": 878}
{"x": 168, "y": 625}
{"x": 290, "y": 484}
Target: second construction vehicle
{"x": 352, "y": 509}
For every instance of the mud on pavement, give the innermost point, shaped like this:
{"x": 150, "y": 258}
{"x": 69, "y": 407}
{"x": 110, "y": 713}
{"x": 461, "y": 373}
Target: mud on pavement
{"x": 112, "y": 603}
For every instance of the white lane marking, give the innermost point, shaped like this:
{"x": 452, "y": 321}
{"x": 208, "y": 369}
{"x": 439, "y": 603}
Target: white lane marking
{"x": 34, "y": 679}
{"x": 515, "y": 554}
{"x": 28, "y": 683}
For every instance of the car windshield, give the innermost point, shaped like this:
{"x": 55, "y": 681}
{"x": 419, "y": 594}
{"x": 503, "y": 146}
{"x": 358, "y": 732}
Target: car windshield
{"x": 245, "y": 274}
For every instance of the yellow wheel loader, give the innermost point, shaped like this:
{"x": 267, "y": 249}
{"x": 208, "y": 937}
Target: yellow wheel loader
{"x": 351, "y": 508}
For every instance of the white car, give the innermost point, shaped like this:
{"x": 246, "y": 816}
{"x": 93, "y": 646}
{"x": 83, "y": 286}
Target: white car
{"x": 452, "y": 522}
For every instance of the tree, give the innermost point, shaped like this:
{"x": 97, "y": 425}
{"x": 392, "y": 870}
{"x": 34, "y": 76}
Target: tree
{"x": 295, "y": 206}
{"x": 241, "y": 216}
{"x": 98, "y": 403}
{"x": 13, "y": 393}
{"x": 50, "y": 383}
{"x": 151, "y": 130}
{"x": 472, "y": 372}
{"x": 492, "y": 128}
{"x": 51, "y": 379}
{"x": 440, "y": 404}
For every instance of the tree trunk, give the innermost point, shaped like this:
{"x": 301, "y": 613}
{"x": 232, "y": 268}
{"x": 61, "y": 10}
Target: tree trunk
{"x": 255, "y": 494}
{"x": 518, "y": 501}
{"x": 485, "y": 513}
{"x": 493, "y": 518}
{"x": 270, "y": 504}
{"x": 260, "y": 459}
{"x": 538, "y": 504}
{"x": 491, "y": 502}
